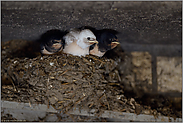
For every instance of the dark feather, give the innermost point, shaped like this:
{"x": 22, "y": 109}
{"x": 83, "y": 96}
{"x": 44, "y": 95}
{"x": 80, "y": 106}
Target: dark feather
{"x": 51, "y": 37}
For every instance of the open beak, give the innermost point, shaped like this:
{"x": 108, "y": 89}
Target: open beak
{"x": 56, "y": 46}
{"x": 56, "y": 41}
{"x": 93, "y": 42}
{"x": 114, "y": 44}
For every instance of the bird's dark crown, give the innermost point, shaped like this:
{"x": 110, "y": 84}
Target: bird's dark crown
{"x": 105, "y": 39}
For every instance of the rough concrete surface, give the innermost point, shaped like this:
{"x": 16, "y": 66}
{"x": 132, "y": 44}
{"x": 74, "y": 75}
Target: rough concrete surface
{"x": 141, "y": 23}
{"x": 170, "y": 77}
{"x": 138, "y": 22}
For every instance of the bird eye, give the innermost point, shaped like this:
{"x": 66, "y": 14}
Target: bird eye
{"x": 88, "y": 38}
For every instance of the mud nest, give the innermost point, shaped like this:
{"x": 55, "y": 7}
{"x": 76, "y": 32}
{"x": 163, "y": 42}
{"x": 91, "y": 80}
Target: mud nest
{"x": 65, "y": 81}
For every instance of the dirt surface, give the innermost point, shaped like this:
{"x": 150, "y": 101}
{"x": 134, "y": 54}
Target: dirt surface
{"x": 66, "y": 81}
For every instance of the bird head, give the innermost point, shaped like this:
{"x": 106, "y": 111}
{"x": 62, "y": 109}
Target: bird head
{"x": 52, "y": 41}
{"x": 107, "y": 41}
{"x": 86, "y": 38}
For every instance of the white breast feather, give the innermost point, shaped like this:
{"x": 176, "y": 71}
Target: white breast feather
{"x": 74, "y": 43}
{"x": 76, "y": 50}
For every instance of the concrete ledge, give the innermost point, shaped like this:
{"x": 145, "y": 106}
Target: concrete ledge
{"x": 25, "y": 111}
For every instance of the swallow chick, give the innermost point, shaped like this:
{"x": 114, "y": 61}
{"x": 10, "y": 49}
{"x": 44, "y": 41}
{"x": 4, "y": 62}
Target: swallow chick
{"x": 52, "y": 42}
{"x": 106, "y": 41}
{"x": 77, "y": 42}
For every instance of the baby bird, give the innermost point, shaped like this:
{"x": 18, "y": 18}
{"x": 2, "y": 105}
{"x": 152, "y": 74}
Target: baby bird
{"x": 107, "y": 40}
{"x": 77, "y": 42}
{"x": 52, "y": 42}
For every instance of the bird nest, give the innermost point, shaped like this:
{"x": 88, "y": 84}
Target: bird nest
{"x": 65, "y": 81}
{"x": 62, "y": 80}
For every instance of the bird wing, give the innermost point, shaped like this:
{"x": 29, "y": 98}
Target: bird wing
{"x": 71, "y": 37}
